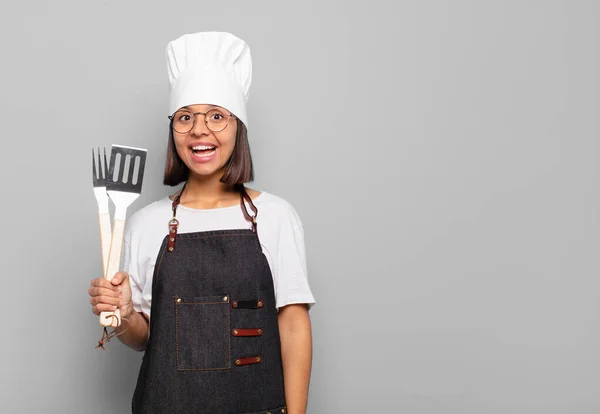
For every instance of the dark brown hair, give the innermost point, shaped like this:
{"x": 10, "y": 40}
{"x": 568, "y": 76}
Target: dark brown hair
{"x": 238, "y": 169}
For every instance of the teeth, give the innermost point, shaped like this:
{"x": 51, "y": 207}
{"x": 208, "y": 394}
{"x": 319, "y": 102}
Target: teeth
{"x": 202, "y": 147}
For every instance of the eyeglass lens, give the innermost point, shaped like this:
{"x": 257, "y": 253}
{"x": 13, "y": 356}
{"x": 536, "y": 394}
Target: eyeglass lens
{"x": 216, "y": 120}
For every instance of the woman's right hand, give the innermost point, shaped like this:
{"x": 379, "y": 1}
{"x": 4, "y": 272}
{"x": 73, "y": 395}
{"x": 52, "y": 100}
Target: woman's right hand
{"x": 109, "y": 295}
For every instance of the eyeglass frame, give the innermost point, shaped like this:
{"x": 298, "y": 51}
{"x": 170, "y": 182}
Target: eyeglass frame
{"x": 194, "y": 123}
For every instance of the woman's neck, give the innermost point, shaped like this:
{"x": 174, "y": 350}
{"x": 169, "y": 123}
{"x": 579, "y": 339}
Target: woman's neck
{"x": 208, "y": 193}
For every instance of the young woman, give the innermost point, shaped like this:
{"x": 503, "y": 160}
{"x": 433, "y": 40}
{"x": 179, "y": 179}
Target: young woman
{"x": 214, "y": 287}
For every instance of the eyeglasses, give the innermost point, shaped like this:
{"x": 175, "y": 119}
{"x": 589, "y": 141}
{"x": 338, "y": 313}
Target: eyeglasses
{"x": 217, "y": 119}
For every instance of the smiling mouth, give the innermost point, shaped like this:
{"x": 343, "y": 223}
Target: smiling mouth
{"x": 204, "y": 150}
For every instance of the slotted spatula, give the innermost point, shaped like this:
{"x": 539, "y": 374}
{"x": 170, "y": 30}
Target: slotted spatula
{"x": 123, "y": 186}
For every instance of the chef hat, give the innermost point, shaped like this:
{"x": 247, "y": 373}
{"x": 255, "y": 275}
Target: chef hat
{"x": 210, "y": 68}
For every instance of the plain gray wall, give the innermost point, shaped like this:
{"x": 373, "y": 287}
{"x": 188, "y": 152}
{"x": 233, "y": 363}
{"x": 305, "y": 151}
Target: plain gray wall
{"x": 443, "y": 157}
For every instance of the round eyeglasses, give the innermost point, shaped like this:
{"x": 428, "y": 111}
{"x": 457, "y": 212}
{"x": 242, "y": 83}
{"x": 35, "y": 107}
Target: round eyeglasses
{"x": 184, "y": 120}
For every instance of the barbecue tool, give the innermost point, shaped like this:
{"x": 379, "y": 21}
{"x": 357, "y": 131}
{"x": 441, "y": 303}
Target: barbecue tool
{"x": 99, "y": 167}
{"x": 123, "y": 186}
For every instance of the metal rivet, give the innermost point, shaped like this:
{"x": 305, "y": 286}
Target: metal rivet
{"x": 257, "y": 359}
{"x": 283, "y": 410}
{"x": 260, "y": 331}
{"x": 260, "y": 304}
{"x": 235, "y": 332}
{"x": 170, "y": 249}
{"x": 235, "y": 304}
{"x": 178, "y": 300}
{"x": 172, "y": 230}
{"x": 238, "y": 362}
{"x": 225, "y": 298}
{"x": 171, "y": 239}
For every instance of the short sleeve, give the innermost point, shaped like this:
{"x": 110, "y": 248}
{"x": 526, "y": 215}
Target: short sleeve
{"x": 291, "y": 284}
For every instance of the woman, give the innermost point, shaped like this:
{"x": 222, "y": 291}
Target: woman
{"x": 214, "y": 286}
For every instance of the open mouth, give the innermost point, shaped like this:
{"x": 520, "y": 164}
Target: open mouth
{"x": 204, "y": 150}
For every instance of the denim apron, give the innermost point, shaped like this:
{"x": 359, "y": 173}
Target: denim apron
{"x": 214, "y": 339}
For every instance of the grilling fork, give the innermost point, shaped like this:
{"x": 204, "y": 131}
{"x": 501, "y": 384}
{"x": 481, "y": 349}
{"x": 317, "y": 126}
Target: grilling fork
{"x": 99, "y": 166}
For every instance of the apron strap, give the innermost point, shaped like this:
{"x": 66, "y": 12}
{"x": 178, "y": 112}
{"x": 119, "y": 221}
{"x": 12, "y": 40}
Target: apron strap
{"x": 176, "y": 199}
{"x": 174, "y": 223}
{"x": 252, "y": 219}
{"x": 244, "y": 196}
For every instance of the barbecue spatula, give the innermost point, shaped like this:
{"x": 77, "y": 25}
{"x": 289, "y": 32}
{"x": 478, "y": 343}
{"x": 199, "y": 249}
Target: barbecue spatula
{"x": 123, "y": 186}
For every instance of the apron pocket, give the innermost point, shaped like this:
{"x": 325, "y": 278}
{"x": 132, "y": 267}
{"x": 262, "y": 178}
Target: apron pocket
{"x": 202, "y": 329}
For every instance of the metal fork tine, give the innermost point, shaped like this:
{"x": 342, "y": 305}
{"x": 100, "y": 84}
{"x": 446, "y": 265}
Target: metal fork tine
{"x": 94, "y": 169}
{"x": 105, "y": 169}
{"x": 99, "y": 162}
{"x": 101, "y": 177}
{"x": 93, "y": 164}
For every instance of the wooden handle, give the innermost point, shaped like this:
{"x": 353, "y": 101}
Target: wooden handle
{"x": 105, "y": 239}
{"x": 114, "y": 261}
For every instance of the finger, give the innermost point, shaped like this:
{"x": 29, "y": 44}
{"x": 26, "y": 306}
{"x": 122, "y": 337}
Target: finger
{"x": 101, "y": 282}
{"x": 95, "y": 292}
{"x": 119, "y": 278}
{"x": 102, "y": 307}
{"x": 94, "y": 300}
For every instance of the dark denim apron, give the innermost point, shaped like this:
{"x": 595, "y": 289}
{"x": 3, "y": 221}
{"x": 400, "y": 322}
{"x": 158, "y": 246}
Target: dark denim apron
{"x": 214, "y": 339}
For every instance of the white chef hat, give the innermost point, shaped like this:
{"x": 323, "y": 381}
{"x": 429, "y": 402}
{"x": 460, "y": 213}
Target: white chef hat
{"x": 210, "y": 68}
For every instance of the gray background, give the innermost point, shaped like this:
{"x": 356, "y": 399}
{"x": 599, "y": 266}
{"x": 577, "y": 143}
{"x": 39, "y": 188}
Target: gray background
{"x": 443, "y": 157}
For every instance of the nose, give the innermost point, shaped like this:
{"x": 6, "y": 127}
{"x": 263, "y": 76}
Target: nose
{"x": 200, "y": 127}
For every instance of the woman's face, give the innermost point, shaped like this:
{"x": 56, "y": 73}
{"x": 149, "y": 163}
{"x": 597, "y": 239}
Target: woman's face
{"x": 203, "y": 151}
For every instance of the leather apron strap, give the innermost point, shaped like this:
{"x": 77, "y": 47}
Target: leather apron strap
{"x": 244, "y": 196}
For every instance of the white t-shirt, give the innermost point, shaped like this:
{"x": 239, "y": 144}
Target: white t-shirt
{"x": 279, "y": 230}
